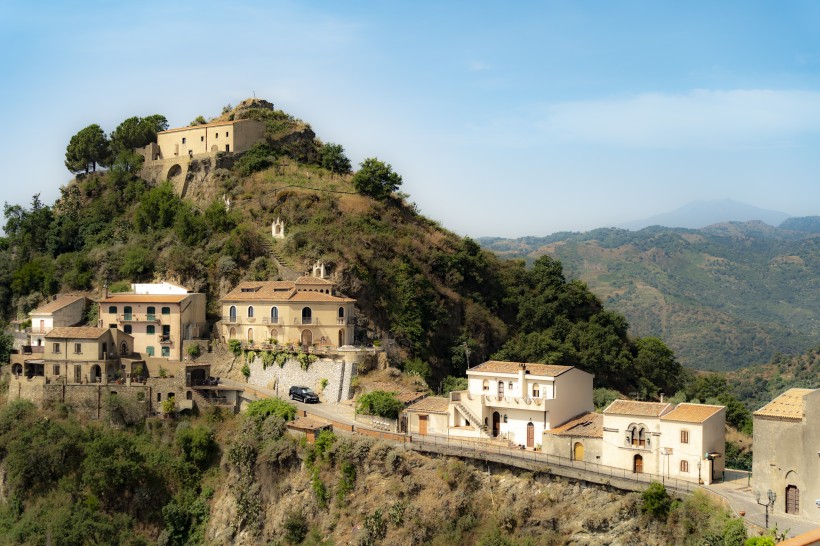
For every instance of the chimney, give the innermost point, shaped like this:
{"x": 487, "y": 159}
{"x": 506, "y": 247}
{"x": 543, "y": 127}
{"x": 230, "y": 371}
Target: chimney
{"x": 661, "y": 398}
{"x": 104, "y": 291}
{"x": 522, "y": 369}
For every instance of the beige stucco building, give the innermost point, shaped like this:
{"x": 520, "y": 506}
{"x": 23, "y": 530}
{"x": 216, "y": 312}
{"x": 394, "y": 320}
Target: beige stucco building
{"x": 307, "y": 312}
{"x": 429, "y": 415}
{"x": 687, "y": 441}
{"x": 517, "y": 401}
{"x": 787, "y": 452}
{"x": 209, "y": 138}
{"x": 579, "y": 439}
{"x": 67, "y": 310}
{"x": 159, "y": 317}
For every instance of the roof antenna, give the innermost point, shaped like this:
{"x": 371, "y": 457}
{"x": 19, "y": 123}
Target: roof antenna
{"x": 254, "y": 94}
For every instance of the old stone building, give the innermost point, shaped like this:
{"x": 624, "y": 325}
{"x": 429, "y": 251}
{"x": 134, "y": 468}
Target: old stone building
{"x": 787, "y": 452}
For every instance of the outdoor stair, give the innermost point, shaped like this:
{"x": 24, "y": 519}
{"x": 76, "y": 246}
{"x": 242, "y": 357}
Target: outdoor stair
{"x": 474, "y": 421}
{"x": 285, "y": 268}
{"x": 200, "y": 400}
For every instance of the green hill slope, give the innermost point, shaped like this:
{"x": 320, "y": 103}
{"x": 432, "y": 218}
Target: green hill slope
{"x": 444, "y": 301}
{"x": 722, "y": 297}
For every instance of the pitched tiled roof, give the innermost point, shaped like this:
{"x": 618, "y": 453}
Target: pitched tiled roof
{"x": 308, "y": 279}
{"x": 787, "y": 406}
{"x": 54, "y": 305}
{"x": 692, "y": 413}
{"x": 308, "y": 423}
{"x": 72, "y": 332}
{"x": 202, "y": 125}
{"x": 281, "y": 291}
{"x": 499, "y": 366}
{"x": 431, "y": 404}
{"x": 642, "y": 409}
{"x": 145, "y": 298}
{"x": 586, "y": 425}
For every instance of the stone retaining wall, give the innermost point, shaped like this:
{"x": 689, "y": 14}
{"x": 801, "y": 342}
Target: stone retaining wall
{"x": 338, "y": 373}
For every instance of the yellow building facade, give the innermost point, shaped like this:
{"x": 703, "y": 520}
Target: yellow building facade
{"x": 306, "y": 312}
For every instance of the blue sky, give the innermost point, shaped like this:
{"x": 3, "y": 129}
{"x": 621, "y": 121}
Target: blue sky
{"x": 508, "y": 121}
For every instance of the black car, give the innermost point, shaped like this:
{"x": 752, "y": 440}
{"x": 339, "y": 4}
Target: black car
{"x": 304, "y": 394}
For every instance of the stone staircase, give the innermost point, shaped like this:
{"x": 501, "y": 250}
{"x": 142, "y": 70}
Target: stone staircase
{"x": 286, "y": 270}
{"x": 474, "y": 420}
{"x": 200, "y": 400}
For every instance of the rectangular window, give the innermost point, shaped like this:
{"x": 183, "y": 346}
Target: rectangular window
{"x": 78, "y": 348}
{"x": 56, "y": 369}
{"x": 183, "y": 140}
{"x": 166, "y": 351}
{"x": 150, "y": 329}
{"x": 127, "y": 329}
{"x": 202, "y": 139}
{"x": 684, "y": 466}
{"x": 684, "y": 436}
{"x": 159, "y": 397}
{"x": 217, "y": 135}
{"x": 226, "y": 134}
{"x": 536, "y": 392}
{"x": 227, "y": 147}
{"x": 55, "y": 348}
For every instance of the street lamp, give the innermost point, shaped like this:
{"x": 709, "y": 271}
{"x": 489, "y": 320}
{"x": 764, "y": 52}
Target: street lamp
{"x": 769, "y": 503}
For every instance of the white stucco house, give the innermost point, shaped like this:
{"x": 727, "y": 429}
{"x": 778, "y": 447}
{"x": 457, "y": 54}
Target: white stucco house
{"x": 61, "y": 311}
{"x": 518, "y": 401}
{"x": 686, "y": 441}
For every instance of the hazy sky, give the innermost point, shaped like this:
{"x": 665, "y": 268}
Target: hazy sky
{"x": 504, "y": 119}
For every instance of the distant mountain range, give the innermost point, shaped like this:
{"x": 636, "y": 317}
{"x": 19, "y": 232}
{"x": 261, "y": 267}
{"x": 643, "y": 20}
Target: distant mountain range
{"x": 723, "y": 297}
{"x": 700, "y": 214}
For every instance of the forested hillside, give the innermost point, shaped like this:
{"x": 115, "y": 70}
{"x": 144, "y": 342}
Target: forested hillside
{"x": 723, "y": 297}
{"x": 758, "y": 385}
{"x": 440, "y": 297}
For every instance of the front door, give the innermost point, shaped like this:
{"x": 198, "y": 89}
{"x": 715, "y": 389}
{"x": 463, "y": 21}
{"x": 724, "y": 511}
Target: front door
{"x": 307, "y": 338}
{"x": 792, "y": 500}
{"x": 78, "y": 374}
{"x": 423, "y": 424}
{"x": 637, "y": 467}
{"x": 530, "y": 435}
{"x": 578, "y": 451}
{"x": 496, "y": 424}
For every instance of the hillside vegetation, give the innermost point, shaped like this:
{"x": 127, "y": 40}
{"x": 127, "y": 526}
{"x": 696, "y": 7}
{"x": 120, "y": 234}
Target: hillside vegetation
{"x": 722, "y": 298}
{"x": 444, "y": 301}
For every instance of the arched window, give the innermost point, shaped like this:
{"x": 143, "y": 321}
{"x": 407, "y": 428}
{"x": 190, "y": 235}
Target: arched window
{"x": 485, "y": 385}
{"x": 112, "y": 309}
{"x": 274, "y": 315}
{"x": 166, "y": 310}
{"x": 637, "y": 435}
{"x": 341, "y": 312}
{"x": 250, "y": 335}
{"x": 250, "y": 311}
{"x": 232, "y": 334}
{"x": 127, "y": 311}
{"x": 536, "y": 390}
{"x": 232, "y": 313}
{"x": 124, "y": 348}
{"x": 307, "y": 315}
{"x": 273, "y": 334}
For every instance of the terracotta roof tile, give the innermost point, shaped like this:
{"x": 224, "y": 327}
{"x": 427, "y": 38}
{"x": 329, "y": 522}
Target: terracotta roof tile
{"x": 586, "y": 425}
{"x": 204, "y": 125}
{"x": 787, "y": 406}
{"x": 308, "y": 279}
{"x": 498, "y": 366}
{"x": 632, "y": 407}
{"x": 57, "y": 304}
{"x": 73, "y": 332}
{"x": 692, "y": 413}
{"x": 308, "y": 423}
{"x": 431, "y": 404}
{"x": 280, "y": 291}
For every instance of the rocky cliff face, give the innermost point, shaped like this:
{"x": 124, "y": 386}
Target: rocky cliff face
{"x": 402, "y": 497}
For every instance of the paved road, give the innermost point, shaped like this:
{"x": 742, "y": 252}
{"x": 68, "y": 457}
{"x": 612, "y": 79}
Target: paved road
{"x": 740, "y": 495}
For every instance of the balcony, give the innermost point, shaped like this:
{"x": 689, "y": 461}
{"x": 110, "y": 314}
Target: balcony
{"x": 514, "y": 402}
{"x": 134, "y": 317}
{"x": 165, "y": 340}
{"x": 306, "y": 321}
{"x": 268, "y": 320}
{"x": 341, "y": 321}
{"x": 229, "y": 320}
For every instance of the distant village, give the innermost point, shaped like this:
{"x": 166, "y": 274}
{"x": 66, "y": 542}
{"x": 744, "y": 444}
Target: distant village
{"x": 153, "y": 347}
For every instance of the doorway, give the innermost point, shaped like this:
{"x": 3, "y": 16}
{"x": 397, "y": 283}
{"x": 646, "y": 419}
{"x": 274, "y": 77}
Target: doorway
{"x": 637, "y": 464}
{"x": 530, "y": 435}
{"x": 792, "y": 500}
{"x": 423, "y": 424}
{"x": 578, "y": 451}
{"x": 496, "y": 424}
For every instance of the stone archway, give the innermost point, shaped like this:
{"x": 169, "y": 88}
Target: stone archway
{"x": 174, "y": 172}
{"x": 307, "y": 338}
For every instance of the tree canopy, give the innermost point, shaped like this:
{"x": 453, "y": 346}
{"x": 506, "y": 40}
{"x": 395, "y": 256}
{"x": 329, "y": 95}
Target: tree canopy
{"x": 136, "y": 132}
{"x": 87, "y": 149}
{"x": 332, "y": 157}
{"x": 376, "y": 179}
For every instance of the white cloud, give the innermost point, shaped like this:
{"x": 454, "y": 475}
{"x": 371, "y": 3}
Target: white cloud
{"x": 698, "y": 119}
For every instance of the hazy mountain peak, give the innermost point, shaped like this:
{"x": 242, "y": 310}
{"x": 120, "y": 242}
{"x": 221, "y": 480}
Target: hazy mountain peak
{"x": 699, "y": 214}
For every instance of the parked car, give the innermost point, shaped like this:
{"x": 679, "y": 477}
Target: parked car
{"x": 304, "y": 394}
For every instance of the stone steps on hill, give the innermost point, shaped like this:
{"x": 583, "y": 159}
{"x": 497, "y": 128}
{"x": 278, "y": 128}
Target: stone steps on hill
{"x": 286, "y": 270}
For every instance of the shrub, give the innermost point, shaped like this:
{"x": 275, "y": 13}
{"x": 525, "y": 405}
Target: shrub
{"x": 235, "y": 346}
{"x": 169, "y": 405}
{"x": 194, "y": 350}
{"x": 296, "y": 527}
{"x": 381, "y": 403}
{"x": 418, "y": 368}
{"x": 246, "y": 371}
{"x": 196, "y": 444}
{"x": 271, "y": 406}
{"x": 655, "y": 501}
